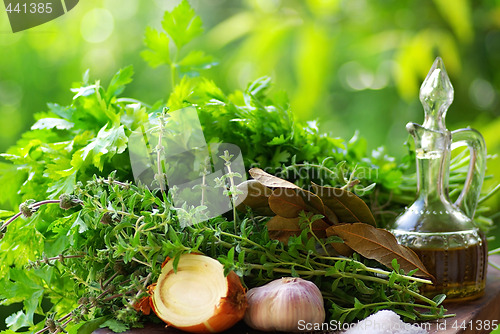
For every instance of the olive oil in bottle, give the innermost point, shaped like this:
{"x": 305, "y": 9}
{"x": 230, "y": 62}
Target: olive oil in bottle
{"x": 460, "y": 272}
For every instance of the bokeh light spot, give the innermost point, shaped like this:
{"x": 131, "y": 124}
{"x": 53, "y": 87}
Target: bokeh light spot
{"x": 97, "y": 25}
{"x": 10, "y": 93}
{"x": 122, "y": 9}
{"x": 482, "y": 93}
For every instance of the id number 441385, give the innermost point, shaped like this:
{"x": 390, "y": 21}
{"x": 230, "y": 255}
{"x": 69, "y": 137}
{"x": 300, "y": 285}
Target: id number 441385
{"x": 476, "y": 325}
{"x": 32, "y": 8}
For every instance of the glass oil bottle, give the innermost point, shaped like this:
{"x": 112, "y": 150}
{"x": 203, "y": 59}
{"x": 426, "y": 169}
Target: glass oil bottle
{"x": 442, "y": 233}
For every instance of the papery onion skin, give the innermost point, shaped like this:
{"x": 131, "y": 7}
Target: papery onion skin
{"x": 227, "y": 312}
{"x": 282, "y": 303}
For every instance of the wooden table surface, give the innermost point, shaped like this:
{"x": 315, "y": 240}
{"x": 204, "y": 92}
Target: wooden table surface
{"x": 473, "y": 315}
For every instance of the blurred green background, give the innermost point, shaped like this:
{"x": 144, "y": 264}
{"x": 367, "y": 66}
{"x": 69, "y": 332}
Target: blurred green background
{"x": 352, "y": 64}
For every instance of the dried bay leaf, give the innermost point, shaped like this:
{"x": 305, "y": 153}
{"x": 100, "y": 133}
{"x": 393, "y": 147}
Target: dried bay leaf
{"x": 341, "y": 248}
{"x": 282, "y": 229}
{"x": 330, "y": 215}
{"x": 256, "y": 196}
{"x": 284, "y": 193}
{"x": 286, "y": 203}
{"x": 348, "y": 207}
{"x": 378, "y": 244}
{"x": 270, "y": 180}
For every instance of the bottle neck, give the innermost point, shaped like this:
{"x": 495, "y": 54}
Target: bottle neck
{"x": 432, "y": 175}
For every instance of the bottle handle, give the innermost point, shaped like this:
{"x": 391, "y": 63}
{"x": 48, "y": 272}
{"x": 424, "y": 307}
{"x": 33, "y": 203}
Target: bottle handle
{"x": 469, "y": 197}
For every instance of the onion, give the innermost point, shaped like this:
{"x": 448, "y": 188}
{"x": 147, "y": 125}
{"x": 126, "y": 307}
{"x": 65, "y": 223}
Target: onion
{"x": 198, "y": 298}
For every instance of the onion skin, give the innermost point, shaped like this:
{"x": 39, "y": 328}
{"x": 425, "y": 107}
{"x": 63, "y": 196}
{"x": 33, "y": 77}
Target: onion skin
{"x": 229, "y": 310}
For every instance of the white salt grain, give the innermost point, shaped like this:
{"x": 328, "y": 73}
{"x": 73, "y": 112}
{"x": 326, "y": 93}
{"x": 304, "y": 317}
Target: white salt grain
{"x": 385, "y": 322}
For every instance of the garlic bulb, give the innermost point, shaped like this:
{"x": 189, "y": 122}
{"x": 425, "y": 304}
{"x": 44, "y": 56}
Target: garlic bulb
{"x": 282, "y": 303}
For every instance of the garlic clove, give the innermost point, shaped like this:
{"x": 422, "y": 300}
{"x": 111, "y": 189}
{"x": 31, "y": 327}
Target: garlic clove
{"x": 281, "y": 304}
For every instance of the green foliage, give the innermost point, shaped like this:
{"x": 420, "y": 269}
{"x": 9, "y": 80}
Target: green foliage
{"x": 105, "y": 253}
{"x": 108, "y": 265}
{"x": 182, "y": 25}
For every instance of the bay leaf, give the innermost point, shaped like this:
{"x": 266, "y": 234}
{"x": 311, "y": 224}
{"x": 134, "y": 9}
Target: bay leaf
{"x": 282, "y": 229}
{"x": 256, "y": 196}
{"x": 312, "y": 201}
{"x": 348, "y": 207}
{"x": 341, "y": 248}
{"x": 380, "y": 245}
{"x": 270, "y": 180}
{"x": 286, "y": 203}
{"x": 330, "y": 215}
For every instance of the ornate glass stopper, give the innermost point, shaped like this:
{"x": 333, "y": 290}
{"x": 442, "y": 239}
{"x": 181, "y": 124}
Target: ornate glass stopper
{"x": 436, "y": 95}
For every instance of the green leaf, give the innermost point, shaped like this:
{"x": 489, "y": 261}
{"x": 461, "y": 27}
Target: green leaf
{"x": 159, "y": 53}
{"x": 182, "y": 92}
{"x": 79, "y": 225}
{"x": 17, "y": 320}
{"x": 335, "y": 284}
{"x": 107, "y": 144}
{"x": 63, "y": 185}
{"x": 194, "y": 62}
{"x": 407, "y": 314}
{"x": 6, "y": 214}
{"x": 51, "y": 123}
{"x": 90, "y": 326}
{"x": 439, "y": 299}
{"x": 395, "y": 265}
{"x": 115, "y": 325}
{"x": 362, "y": 288}
{"x": 357, "y": 304}
{"x": 182, "y": 24}
{"x": 8, "y": 332}
{"x": 119, "y": 81}
{"x": 278, "y": 140}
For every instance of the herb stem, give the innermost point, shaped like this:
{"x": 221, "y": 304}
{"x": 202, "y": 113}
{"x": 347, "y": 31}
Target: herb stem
{"x": 8, "y": 222}
{"x": 489, "y": 195}
{"x": 316, "y": 272}
{"x": 494, "y": 251}
{"x": 46, "y": 328}
{"x": 107, "y": 299}
{"x": 141, "y": 262}
{"x": 373, "y": 270}
{"x": 49, "y": 201}
{"x": 33, "y": 206}
{"x": 61, "y": 328}
{"x": 494, "y": 265}
{"x": 110, "y": 280}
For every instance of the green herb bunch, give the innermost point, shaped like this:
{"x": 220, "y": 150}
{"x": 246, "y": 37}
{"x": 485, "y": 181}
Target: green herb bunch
{"x": 108, "y": 244}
